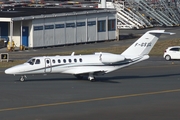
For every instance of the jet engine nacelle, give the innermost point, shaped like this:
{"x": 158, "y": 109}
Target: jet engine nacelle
{"x": 109, "y": 58}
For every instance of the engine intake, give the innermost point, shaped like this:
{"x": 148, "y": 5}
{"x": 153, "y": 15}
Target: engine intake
{"x": 109, "y": 58}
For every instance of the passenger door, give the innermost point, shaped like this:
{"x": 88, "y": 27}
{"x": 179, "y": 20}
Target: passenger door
{"x": 48, "y": 68}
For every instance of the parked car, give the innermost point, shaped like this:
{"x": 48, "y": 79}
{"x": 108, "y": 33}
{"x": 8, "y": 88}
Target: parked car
{"x": 172, "y": 53}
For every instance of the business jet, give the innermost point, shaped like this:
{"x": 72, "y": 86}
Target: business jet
{"x": 91, "y": 65}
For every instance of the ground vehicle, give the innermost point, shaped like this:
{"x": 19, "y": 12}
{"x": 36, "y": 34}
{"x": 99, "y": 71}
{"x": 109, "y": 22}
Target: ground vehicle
{"x": 172, "y": 52}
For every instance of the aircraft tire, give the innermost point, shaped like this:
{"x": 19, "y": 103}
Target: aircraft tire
{"x": 22, "y": 79}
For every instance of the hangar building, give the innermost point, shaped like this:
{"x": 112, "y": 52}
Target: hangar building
{"x": 40, "y": 27}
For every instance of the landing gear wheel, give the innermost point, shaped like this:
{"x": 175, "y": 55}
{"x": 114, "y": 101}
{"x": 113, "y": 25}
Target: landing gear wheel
{"x": 91, "y": 78}
{"x": 167, "y": 57}
{"x": 22, "y": 78}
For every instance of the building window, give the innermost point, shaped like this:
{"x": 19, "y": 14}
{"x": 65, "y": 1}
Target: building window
{"x": 47, "y": 27}
{"x": 91, "y": 23}
{"x": 38, "y": 28}
{"x": 70, "y": 25}
{"x": 111, "y": 25}
{"x": 102, "y": 26}
{"x": 59, "y": 26}
{"x": 80, "y": 24}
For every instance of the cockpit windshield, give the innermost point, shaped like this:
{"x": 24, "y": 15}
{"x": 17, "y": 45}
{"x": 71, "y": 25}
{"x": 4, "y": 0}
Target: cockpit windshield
{"x": 31, "y": 61}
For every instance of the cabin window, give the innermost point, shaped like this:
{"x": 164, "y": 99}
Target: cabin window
{"x": 75, "y": 60}
{"x": 59, "y": 61}
{"x": 70, "y": 60}
{"x": 80, "y": 60}
{"x": 37, "y": 61}
{"x": 64, "y": 60}
{"x": 47, "y": 61}
{"x": 53, "y": 61}
{"x": 31, "y": 61}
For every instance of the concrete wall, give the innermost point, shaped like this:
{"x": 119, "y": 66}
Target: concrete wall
{"x": 81, "y": 29}
{"x": 17, "y": 32}
{"x": 70, "y": 29}
{"x": 91, "y": 28}
{"x": 38, "y": 32}
{"x": 59, "y": 35}
{"x": 62, "y": 29}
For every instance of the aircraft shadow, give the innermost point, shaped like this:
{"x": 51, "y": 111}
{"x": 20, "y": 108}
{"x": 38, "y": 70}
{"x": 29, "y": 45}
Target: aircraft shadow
{"x": 139, "y": 76}
{"x": 107, "y": 79}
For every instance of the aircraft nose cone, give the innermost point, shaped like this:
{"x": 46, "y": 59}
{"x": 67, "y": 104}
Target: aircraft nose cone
{"x": 7, "y": 71}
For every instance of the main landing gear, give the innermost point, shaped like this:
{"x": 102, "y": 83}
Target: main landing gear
{"x": 22, "y": 78}
{"x": 91, "y": 77}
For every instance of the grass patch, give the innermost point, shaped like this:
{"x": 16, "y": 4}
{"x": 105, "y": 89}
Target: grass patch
{"x": 158, "y": 50}
{"x": 11, "y": 63}
{"x": 162, "y": 45}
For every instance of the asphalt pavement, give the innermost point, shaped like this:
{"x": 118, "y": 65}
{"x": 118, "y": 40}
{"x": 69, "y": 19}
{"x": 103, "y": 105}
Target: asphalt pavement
{"x": 145, "y": 92}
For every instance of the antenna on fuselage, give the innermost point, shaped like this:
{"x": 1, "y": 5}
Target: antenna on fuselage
{"x": 72, "y": 54}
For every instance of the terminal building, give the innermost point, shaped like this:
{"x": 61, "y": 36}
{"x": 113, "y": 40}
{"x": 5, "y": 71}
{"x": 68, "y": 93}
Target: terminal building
{"x": 42, "y": 27}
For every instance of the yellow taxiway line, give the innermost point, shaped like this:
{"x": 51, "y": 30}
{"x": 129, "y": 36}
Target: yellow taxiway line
{"x": 90, "y": 100}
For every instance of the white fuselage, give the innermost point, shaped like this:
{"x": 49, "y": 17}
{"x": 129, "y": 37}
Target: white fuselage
{"x": 76, "y": 64}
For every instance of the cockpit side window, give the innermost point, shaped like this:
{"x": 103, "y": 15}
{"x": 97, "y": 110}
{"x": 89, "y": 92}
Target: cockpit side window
{"x": 37, "y": 61}
{"x": 31, "y": 61}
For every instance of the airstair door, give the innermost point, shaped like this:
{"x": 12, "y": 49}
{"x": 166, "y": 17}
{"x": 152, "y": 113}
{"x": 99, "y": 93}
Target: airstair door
{"x": 48, "y": 68}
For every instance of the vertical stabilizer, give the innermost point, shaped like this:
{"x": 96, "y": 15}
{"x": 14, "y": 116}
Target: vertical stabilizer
{"x": 145, "y": 43}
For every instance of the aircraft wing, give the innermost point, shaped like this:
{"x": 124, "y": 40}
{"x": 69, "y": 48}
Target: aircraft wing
{"x": 85, "y": 70}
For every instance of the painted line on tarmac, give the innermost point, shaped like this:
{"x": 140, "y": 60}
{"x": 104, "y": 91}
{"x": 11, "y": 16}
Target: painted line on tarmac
{"x": 90, "y": 100}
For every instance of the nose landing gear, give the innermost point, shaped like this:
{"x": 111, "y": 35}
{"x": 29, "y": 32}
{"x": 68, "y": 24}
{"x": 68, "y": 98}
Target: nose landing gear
{"x": 22, "y": 78}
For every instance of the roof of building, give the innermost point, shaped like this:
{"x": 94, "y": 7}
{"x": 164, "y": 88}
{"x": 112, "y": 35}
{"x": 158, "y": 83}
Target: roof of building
{"x": 20, "y": 12}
